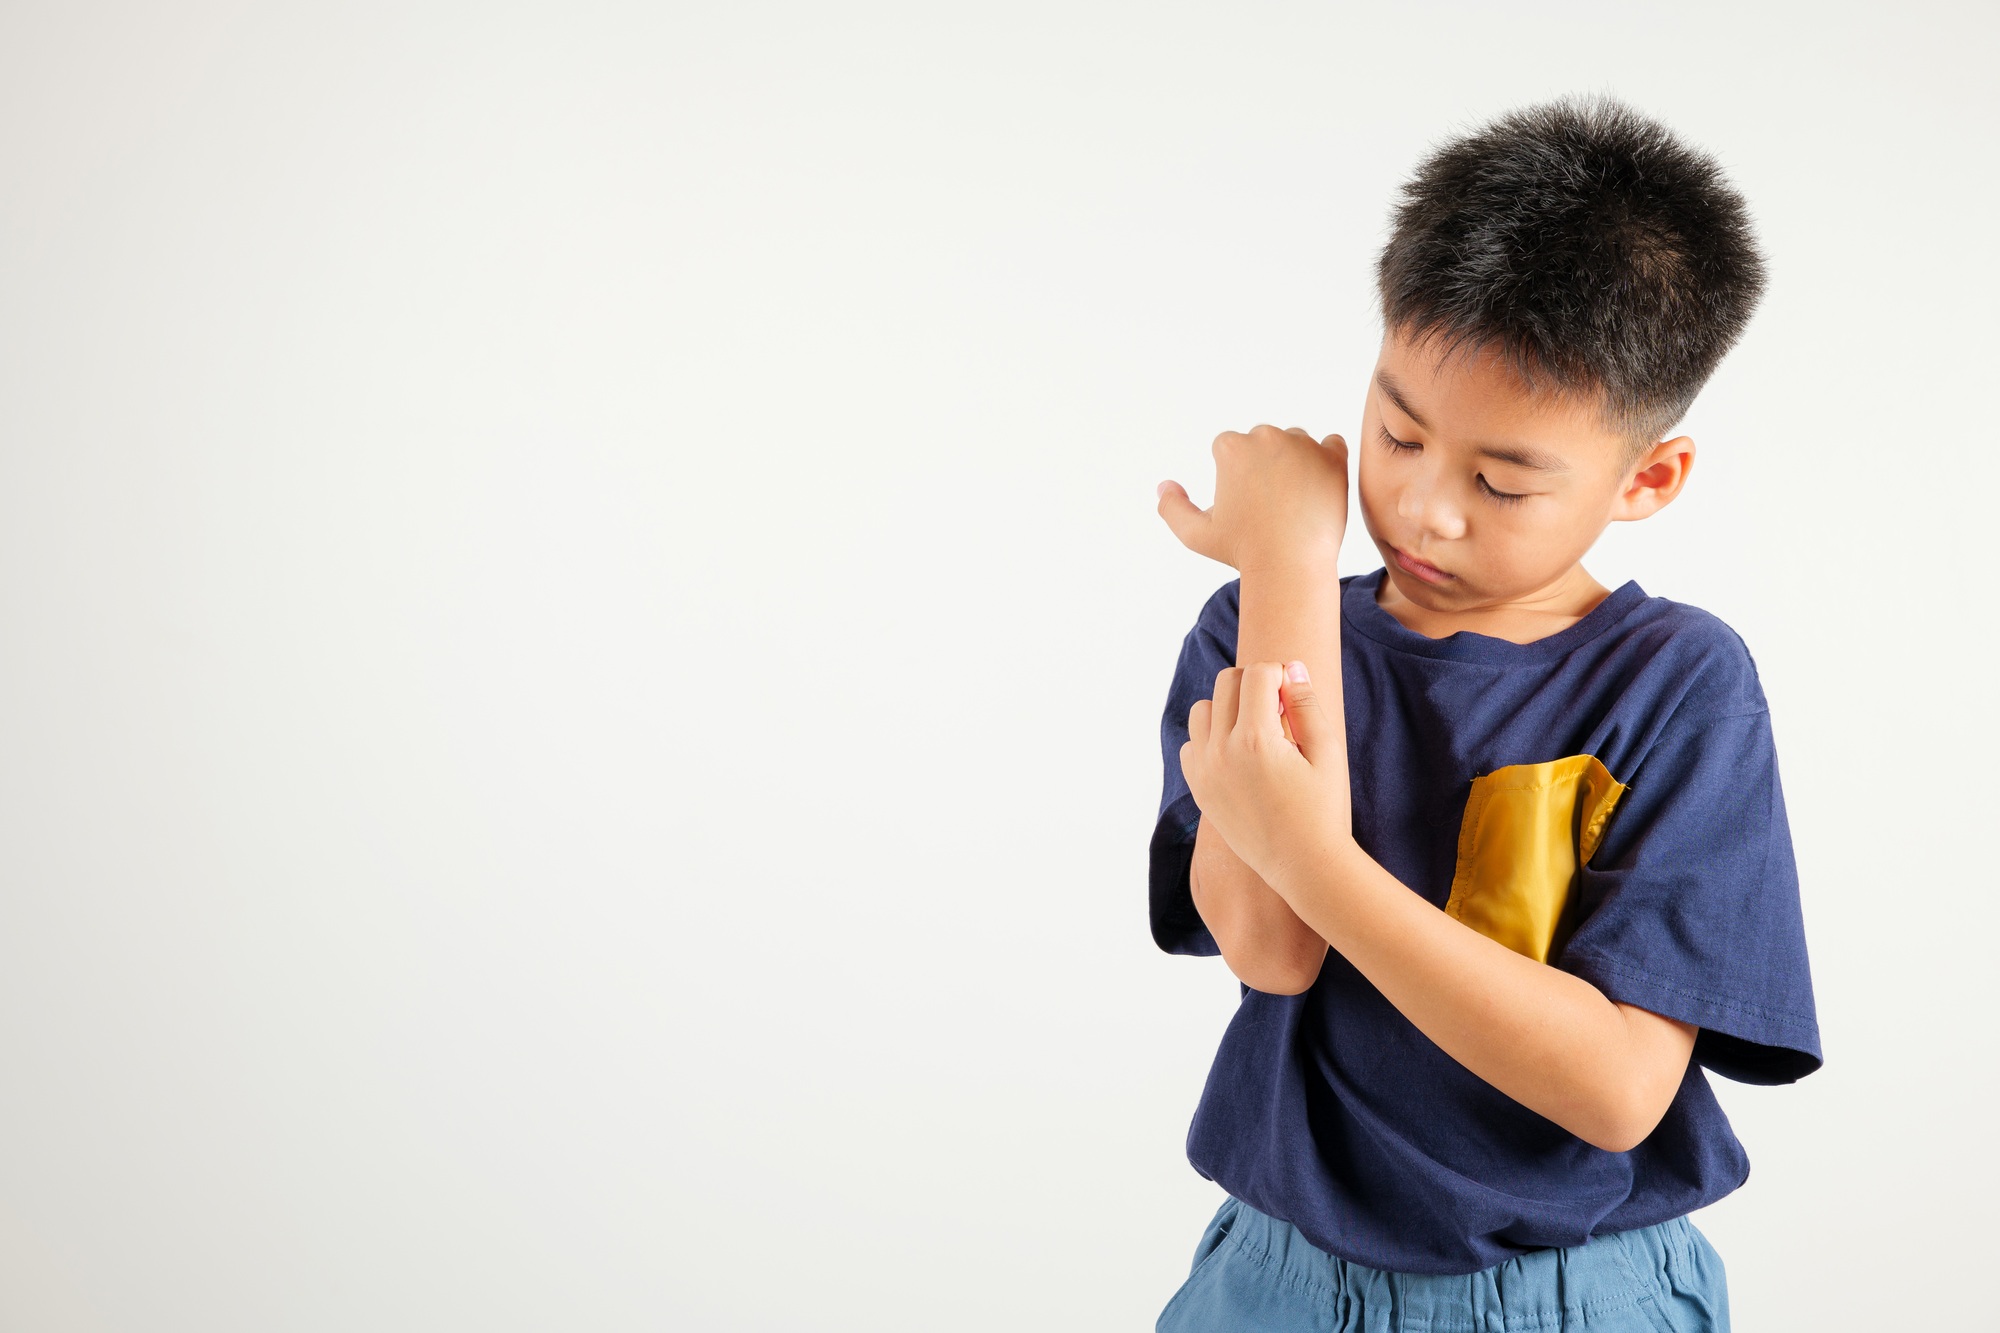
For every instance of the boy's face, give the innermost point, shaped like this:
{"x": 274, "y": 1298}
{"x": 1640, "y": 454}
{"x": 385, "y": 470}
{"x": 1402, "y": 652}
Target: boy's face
{"x": 1479, "y": 494}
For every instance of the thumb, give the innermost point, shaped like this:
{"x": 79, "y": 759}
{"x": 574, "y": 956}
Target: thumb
{"x": 1310, "y": 724}
{"x": 1182, "y": 515}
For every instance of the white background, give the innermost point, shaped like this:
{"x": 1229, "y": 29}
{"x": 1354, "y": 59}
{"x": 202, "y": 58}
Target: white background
{"x": 583, "y": 629}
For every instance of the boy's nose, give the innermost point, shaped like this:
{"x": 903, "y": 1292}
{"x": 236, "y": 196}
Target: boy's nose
{"x": 1429, "y": 512}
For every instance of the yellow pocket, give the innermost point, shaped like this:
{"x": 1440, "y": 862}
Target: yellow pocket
{"x": 1527, "y": 828}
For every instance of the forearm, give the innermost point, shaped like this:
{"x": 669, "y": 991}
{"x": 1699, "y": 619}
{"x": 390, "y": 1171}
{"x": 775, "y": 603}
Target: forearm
{"x": 1292, "y": 612}
{"x": 1261, "y": 938}
{"x": 1548, "y": 1039}
{"x": 1283, "y": 614}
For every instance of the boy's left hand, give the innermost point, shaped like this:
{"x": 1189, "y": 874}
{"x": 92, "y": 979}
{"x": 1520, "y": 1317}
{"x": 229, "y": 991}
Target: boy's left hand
{"x": 1274, "y": 802}
{"x": 1280, "y": 501}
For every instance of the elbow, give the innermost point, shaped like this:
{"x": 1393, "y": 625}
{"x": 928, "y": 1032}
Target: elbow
{"x": 1275, "y": 976}
{"x": 1614, "y": 1142}
{"x": 1264, "y": 955}
{"x": 1287, "y": 984}
{"x": 1621, "y": 1125}
{"x": 1631, "y": 1096}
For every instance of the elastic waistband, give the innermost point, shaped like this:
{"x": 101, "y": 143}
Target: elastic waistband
{"x": 1540, "y": 1289}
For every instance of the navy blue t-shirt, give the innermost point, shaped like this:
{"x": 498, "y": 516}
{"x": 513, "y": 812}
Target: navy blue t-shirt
{"x": 1675, "y": 891}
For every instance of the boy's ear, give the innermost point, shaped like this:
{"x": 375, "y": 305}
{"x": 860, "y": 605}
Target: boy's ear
{"x": 1656, "y": 478}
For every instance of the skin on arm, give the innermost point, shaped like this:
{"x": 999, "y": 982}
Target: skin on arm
{"x": 1261, "y": 937}
{"x": 1295, "y": 611}
{"x": 1288, "y": 607}
{"x": 1604, "y": 1070}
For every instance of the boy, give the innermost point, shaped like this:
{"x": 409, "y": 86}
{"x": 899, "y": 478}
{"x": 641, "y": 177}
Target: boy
{"x": 1486, "y": 949}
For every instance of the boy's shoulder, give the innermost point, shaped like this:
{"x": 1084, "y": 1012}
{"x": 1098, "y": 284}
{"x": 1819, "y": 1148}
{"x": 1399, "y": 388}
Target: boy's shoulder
{"x": 1716, "y": 673}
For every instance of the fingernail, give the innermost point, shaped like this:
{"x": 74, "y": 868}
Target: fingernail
{"x": 1296, "y": 672}
{"x": 1160, "y": 489}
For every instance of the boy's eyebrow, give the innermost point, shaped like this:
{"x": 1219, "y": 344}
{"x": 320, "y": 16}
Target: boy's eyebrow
{"x": 1528, "y": 458}
{"x": 1518, "y": 455}
{"x": 1395, "y": 392}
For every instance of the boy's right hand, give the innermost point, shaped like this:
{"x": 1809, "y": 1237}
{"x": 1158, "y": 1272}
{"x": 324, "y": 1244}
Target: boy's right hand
{"x": 1280, "y": 501}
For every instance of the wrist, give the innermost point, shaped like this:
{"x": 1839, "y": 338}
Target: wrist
{"x": 1319, "y": 557}
{"x": 1315, "y": 866}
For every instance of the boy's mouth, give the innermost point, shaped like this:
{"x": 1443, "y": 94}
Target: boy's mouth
{"x": 1411, "y": 565}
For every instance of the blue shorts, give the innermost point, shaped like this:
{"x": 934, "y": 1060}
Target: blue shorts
{"x": 1255, "y": 1274}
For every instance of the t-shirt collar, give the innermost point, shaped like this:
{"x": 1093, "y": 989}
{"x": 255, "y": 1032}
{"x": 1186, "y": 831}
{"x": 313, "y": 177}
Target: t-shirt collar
{"x": 1361, "y": 613}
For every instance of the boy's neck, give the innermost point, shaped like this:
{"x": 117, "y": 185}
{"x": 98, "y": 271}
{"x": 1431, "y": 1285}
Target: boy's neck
{"x": 1547, "y": 610}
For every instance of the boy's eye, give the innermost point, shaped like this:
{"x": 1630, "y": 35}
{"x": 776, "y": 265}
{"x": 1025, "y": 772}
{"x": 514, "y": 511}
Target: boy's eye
{"x": 1486, "y": 487}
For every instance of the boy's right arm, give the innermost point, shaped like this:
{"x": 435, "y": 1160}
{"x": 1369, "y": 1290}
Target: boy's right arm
{"x": 1284, "y": 613}
{"x": 1279, "y": 514}
{"x": 1261, "y": 937}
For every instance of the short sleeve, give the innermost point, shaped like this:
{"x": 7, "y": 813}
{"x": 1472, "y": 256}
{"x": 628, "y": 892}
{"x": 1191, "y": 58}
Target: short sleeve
{"x": 1690, "y": 904}
{"x": 1208, "y": 648}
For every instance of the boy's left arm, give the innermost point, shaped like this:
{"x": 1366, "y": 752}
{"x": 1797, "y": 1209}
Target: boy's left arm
{"x": 1604, "y": 1070}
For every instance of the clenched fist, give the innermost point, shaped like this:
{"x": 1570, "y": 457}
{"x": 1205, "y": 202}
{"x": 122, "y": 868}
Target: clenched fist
{"x": 1280, "y": 501}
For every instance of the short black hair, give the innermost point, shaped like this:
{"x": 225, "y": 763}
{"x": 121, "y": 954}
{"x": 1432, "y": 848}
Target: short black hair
{"x": 1586, "y": 244}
